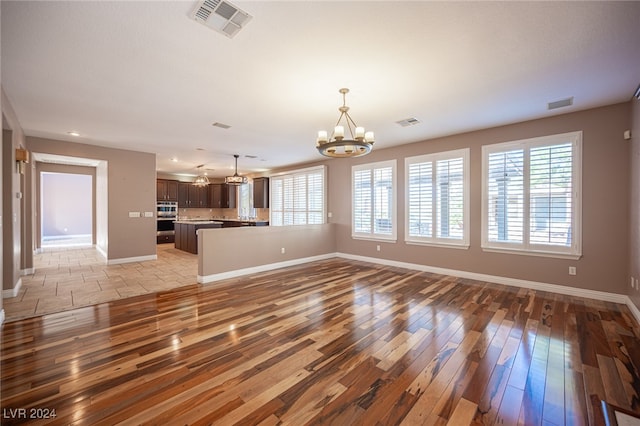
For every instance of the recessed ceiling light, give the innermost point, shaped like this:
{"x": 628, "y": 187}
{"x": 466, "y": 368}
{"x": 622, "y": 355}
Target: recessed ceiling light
{"x": 73, "y": 133}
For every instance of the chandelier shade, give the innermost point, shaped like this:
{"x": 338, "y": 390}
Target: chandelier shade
{"x": 236, "y": 179}
{"x": 359, "y": 142}
{"x": 201, "y": 180}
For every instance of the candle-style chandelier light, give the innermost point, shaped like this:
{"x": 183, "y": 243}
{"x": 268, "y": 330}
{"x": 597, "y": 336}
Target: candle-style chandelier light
{"x": 359, "y": 143}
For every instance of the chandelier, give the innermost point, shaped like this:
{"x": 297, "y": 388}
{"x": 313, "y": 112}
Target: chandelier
{"x": 236, "y": 179}
{"x": 201, "y": 180}
{"x": 359, "y": 143}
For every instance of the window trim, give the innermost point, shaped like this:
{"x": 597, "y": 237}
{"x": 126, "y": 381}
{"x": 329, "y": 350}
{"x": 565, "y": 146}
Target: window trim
{"x": 292, "y": 173}
{"x": 393, "y": 205}
{"x": 526, "y": 248}
{"x": 436, "y": 241}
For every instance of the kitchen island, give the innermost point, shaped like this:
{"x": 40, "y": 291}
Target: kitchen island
{"x": 186, "y": 233}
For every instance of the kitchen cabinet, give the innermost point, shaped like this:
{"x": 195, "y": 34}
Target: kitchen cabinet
{"x": 161, "y": 239}
{"x": 261, "y": 193}
{"x": 222, "y": 196}
{"x": 186, "y": 237}
{"x": 166, "y": 190}
{"x": 192, "y": 196}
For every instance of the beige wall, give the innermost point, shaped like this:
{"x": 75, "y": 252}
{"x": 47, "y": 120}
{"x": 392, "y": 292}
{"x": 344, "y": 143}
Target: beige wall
{"x": 12, "y": 138}
{"x": 129, "y": 187}
{"x": 604, "y": 264}
{"x": 634, "y": 211}
{"x": 229, "y": 250}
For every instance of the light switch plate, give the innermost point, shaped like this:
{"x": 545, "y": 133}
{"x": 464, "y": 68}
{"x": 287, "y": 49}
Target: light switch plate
{"x": 148, "y": 214}
{"x": 134, "y": 214}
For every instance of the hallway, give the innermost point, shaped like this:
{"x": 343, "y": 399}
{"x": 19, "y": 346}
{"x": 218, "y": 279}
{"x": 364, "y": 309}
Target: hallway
{"x": 68, "y": 278}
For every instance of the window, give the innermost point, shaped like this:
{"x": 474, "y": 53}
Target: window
{"x": 437, "y": 202}
{"x": 374, "y": 201}
{"x": 245, "y": 201}
{"x": 298, "y": 198}
{"x": 532, "y": 196}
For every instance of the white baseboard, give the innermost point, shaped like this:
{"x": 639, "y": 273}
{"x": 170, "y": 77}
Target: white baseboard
{"x": 262, "y": 268}
{"x": 534, "y": 285}
{"x": 101, "y": 251}
{"x": 12, "y": 292}
{"x": 28, "y": 271}
{"x": 1, "y": 316}
{"x": 132, "y": 259}
{"x": 634, "y": 309}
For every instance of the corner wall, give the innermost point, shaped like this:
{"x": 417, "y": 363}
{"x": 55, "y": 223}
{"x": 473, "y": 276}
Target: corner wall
{"x": 605, "y": 212}
{"x": 634, "y": 197}
{"x": 125, "y": 182}
{"x": 12, "y": 138}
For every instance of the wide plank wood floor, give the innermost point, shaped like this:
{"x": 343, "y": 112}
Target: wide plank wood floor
{"x": 330, "y": 342}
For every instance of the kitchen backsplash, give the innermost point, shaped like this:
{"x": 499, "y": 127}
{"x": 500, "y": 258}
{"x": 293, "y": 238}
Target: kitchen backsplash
{"x": 261, "y": 214}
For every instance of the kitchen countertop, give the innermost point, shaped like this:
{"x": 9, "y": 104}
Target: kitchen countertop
{"x": 219, "y": 220}
{"x": 198, "y": 222}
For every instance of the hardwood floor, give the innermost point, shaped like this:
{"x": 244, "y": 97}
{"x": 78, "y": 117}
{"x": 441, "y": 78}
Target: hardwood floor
{"x": 330, "y": 342}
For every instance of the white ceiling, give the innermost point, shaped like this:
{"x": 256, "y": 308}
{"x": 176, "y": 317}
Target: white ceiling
{"x": 144, "y": 76}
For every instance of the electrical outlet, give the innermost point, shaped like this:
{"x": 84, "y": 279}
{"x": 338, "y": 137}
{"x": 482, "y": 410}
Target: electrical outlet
{"x": 282, "y": 250}
{"x": 632, "y": 282}
{"x": 637, "y": 286}
{"x": 572, "y": 270}
{"x": 378, "y": 247}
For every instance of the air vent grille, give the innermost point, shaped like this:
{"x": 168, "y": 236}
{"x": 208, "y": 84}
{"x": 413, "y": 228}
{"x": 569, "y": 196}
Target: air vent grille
{"x": 560, "y": 104}
{"x": 221, "y": 16}
{"x": 412, "y": 121}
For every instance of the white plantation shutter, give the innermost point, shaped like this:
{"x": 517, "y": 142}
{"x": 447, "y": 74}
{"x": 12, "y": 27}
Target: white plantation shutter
{"x": 550, "y": 195}
{"x": 437, "y": 201}
{"x": 374, "y": 201}
{"x": 531, "y": 195}
{"x": 506, "y": 196}
{"x": 315, "y": 197}
{"x": 362, "y": 198}
{"x": 420, "y": 209}
{"x": 298, "y": 198}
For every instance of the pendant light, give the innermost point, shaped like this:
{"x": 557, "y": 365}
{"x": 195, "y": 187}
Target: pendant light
{"x": 236, "y": 179}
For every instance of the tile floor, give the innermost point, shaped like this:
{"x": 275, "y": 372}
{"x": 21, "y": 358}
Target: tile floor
{"x": 68, "y": 278}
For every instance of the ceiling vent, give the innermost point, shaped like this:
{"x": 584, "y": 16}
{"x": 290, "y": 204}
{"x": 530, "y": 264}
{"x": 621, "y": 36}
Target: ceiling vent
{"x": 408, "y": 122}
{"x": 560, "y": 104}
{"x": 221, "y": 125}
{"x": 221, "y": 16}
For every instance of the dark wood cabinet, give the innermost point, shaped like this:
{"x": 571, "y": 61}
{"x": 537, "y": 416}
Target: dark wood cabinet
{"x": 222, "y": 196}
{"x": 261, "y": 193}
{"x": 161, "y": 239}
{"x": 192, "y": 196}
{"x": 166, "y": 190}
{"x": 186, "y": 237}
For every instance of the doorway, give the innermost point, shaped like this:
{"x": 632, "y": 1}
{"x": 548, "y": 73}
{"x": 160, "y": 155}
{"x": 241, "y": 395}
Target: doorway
{"x": 66, "y": 209}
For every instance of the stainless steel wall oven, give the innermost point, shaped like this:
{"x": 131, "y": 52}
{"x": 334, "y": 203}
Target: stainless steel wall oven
{"x": 167, "y": 213}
